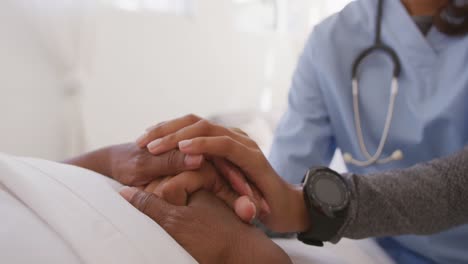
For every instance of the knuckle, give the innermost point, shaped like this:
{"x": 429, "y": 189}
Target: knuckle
{"x": 169, "y": 139}
{"x": 259, "y": 157}
{"x": 156, "y": 126}
{"x": 192, "y": 118}
{"x": 174, "y": 159}
{"x": 205, "y": 125}
{"x": 226, "y": 139}
{"x": 142, "y": 201}
{"x": 221, "y": 130}
{"x": 139, "y": 160}
{"x": 167, "y": 190}
{"x": 254, "y": 144}
{"x": 239, "y": 131}
{"x": 258, "y": 153}
{"x": 139, "y": 163}
{"x": 173, "y": 218}
{"x": 227, "y": 142}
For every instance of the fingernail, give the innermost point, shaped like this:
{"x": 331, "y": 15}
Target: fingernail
{"x": 255, "y": 212}
{"x": 128, "y": 192}
{"x": 141, "y": 138}
{"x": 185, "y": 143}
{"x": 154, "y": 144}
{"x": 193, "y": 160}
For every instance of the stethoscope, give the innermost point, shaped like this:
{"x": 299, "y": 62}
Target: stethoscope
{"x": 378, "y": 46}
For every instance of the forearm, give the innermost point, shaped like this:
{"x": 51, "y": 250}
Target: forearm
{"x": 424, "y": 199}
{"x": 97, "y": 161}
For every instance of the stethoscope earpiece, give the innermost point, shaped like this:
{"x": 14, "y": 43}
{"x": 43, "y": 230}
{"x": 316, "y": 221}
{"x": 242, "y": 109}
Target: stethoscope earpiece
{"x": 348, "y": 158}
{"x": 397, "y": 155}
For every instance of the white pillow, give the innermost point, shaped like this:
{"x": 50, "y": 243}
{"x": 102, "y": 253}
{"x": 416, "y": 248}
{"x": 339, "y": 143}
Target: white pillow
{"x": 55, "y": 213}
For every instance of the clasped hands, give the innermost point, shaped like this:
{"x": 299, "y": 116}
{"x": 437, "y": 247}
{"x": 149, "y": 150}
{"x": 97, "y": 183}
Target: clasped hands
{"x": 217, "y": 160}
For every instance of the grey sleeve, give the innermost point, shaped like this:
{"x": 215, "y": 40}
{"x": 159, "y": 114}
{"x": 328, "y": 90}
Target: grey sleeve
{"x": 424, "y": 199}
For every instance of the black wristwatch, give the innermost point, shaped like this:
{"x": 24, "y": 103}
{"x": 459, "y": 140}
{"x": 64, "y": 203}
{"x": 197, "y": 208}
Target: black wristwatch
{"x": 327, "y": 196}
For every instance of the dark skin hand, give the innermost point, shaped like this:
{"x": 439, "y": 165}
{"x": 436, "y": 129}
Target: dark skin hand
{"x": 177, "y": 189}
{"x": 134, "y": 166}
{"x": 131, "y": 165}
{"x": 208, "y": 229}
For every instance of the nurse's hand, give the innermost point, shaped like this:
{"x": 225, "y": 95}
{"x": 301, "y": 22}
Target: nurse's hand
{"x": 131, "y": 165}
{"x": 208, "y": 230}
{"x": 195, "y": 136}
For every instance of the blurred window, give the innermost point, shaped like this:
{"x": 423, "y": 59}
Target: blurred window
{"x": 255, "y": 15}
{"x": 177, "y": 7}
{"x": 294, "y": 16}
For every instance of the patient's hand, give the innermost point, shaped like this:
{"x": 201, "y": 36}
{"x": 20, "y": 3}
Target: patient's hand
{"x": 177, "y": 190}
{"x": 131, "y": 165}
{"x": 208, "y": 229}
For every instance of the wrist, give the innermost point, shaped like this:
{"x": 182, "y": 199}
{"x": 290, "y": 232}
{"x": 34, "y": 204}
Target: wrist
{"x": 103, "y": 164}
{"x": 300, "y": 214}
{"x": 97, "y": 161}
{"x": 255, "y": 247}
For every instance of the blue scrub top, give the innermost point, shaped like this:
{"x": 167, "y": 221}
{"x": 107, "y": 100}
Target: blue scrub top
{"x": 431, "y": 111}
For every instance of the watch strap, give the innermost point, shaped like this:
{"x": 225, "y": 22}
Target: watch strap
{"x": 323, "y": 228}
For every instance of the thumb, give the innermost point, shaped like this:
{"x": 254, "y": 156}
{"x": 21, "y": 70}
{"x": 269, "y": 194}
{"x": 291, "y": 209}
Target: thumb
{"x": 148, "y": 203}
{"x": 243, "y": 206}
{"x": 245, "y": 209}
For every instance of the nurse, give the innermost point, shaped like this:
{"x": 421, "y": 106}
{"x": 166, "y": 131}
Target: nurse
{"x": 428, "y": 118}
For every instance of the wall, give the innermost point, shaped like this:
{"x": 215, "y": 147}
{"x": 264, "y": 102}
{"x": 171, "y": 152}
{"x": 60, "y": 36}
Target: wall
{"x": 150, "y": 67}
{"x": 137, "y": 68}
{"x": 31, "y": 121}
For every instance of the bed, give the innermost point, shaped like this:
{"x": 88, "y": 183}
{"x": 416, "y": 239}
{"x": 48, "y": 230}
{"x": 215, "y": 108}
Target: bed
{"x": 55, "y": 213}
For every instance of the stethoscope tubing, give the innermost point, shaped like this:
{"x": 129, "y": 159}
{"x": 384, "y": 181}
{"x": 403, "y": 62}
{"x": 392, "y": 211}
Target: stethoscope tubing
{"x": 378, "y": 46}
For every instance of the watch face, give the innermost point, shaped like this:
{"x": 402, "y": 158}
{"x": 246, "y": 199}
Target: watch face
{"x": 328, "y": 190}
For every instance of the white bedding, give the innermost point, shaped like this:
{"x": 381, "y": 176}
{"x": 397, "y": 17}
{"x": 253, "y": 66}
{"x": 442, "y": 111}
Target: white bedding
{"x": 345, "y": 252}
{"x": 54, "y": 213}
{"x": 63, "y": 214}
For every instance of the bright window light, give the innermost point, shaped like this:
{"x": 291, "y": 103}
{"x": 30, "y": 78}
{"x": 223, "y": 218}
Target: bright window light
{"x": 254, "y": 15}
{"x": 282, "y": 15}
{"x": 177, "y": 7}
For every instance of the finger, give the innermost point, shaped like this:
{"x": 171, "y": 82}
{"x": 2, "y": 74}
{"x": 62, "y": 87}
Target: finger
{"x": 234, "y": 176}
{"x": 250, "y": 161}
{"x": 151, "y": 187}
{"x": 176, "y": 189}
{"x": 240, "y": 184}
{"x": 201, "y": 128}
{"x": 154, "y": 126}
{"x": 265, "y": 209}
{"x": 152, "y": 206}
{"x": 166, "y": 128}
{"x": 158, "y": 188}
{"x": 238, "y": 130}
{"x": 245, "y": 209}
{"x": 169, "y": 163}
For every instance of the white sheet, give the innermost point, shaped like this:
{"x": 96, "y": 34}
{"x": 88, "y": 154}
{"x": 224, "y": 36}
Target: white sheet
{"x": 345, "y": 252}
{"x": 54, "y": 213}
{"x": 62, "y": 214}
